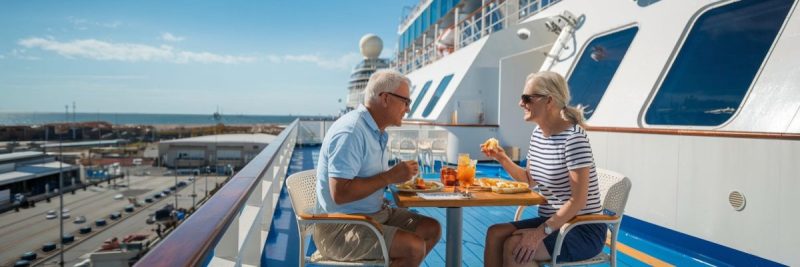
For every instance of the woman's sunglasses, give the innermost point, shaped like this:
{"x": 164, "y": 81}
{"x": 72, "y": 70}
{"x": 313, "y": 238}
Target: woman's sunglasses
{"x": 529, "y": 98}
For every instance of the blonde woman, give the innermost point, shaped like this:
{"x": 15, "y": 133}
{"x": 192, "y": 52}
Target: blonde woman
{"x": 561, "y": 164}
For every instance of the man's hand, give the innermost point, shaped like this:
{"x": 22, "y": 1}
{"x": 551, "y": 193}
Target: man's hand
{"x": 526, "y": 248}
{"x": 403, "y": 171}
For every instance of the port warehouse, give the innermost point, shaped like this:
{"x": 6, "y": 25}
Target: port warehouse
{"x": 213, "y": 151}
{"x": 33, "y": 173}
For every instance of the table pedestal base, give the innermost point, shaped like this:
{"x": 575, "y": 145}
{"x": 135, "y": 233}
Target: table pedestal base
{"x": 453, "y": 256}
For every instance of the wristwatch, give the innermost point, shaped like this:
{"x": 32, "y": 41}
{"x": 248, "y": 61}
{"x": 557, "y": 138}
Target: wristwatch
{"x": 547, "y": 229}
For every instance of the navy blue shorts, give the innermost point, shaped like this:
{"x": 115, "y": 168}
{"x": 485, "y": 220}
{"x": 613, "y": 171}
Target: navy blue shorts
{"x": 581, "y": 243}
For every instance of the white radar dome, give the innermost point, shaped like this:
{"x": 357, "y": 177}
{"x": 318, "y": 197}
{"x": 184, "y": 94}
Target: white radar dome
{"x": 371, "y": 46}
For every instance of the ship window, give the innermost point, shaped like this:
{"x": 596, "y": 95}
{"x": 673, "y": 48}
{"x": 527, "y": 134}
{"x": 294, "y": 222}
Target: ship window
{"x": 595, "y": 69}
{"x": 717, "y": 63}
{"x": 419, "y": 98}
{"x": 437, "y": 95}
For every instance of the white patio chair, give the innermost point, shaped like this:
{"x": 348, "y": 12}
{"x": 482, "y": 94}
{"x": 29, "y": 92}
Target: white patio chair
{"x": 302, "y": 191}
{"x": 614, "y": 189}
{"x": 439, "y": 150}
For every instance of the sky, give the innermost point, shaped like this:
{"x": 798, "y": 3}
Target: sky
{"x": 187, "y": 57}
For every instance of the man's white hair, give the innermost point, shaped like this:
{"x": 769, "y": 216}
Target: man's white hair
{"x": 386, "y": 80}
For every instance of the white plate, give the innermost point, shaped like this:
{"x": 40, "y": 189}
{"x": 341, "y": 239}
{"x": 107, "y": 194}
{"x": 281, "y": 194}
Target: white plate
{"x": 433, "y": 186}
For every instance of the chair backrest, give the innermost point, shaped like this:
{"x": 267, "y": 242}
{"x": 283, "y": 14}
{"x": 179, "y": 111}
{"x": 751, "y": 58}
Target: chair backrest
{"x": 614, "y": 189}
{"x": 302, "y": 187}
{"x": 439, "y": 144}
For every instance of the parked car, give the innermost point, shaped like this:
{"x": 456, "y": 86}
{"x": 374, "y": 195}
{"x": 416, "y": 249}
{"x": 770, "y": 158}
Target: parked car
{"x": 51, "y": 214}
{"x": 67, "y": 238}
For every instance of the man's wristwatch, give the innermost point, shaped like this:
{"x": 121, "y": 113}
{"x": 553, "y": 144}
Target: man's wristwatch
{"x": 547, "y": 229}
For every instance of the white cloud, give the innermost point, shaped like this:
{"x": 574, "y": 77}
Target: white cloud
{"x": 344, "y": 62}
{"x": 100, "y": 50}
{"x": 171, "y": 38}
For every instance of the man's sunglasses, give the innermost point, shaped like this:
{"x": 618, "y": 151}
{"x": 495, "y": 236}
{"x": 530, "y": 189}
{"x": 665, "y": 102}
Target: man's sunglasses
{"x": 406, "y": 100}
{"x": 529, "y": 98}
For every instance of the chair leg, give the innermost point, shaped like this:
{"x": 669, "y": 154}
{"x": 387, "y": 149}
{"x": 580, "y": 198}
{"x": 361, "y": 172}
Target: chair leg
{"x": 302, "y": 251}
{"x": 613, "y": 248}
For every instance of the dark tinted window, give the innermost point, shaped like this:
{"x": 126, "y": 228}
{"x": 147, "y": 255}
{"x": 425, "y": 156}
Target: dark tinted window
{"x": 419, "y": 98}
{"x": 717, "y": 63}
{"x": 596, "y": 67}
{"x": 437, "y": 95}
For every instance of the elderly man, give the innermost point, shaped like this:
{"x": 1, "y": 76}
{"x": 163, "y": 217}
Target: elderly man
{"x": 352, "y": 173}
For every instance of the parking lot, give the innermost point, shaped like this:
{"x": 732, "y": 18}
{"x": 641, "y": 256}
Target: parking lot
{"x": 28, "y": 229}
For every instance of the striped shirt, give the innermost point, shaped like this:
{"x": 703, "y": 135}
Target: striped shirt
{"x": 549, "y": 161}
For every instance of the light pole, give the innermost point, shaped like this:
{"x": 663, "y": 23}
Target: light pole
{"x": 176, "y": 183}
{"x": 61, "y": 191}
{"x": 194, "y": 192}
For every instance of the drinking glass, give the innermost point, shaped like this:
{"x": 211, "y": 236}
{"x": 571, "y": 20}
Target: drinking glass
{"x": 466, "y": 171}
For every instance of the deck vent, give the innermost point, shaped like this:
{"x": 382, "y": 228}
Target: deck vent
{"x": 737, "y": 200}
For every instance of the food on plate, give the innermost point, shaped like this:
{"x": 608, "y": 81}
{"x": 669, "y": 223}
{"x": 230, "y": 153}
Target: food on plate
{"x": 489, "y": 182}
{"x": 504, "y": 186}
{"x": 419, "y": 185}
{"x": 491, "y": 144}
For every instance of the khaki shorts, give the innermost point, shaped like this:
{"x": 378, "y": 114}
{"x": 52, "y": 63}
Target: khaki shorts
{"x": 348, "y": 242}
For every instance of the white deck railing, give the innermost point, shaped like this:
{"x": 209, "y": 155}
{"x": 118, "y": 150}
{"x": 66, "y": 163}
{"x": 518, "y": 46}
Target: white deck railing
{"x": 482, "y": 22}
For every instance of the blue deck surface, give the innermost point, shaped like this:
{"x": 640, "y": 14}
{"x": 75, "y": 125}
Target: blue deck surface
{"x": 282, "y": 243}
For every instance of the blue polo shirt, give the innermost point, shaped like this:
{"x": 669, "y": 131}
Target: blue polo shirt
{"x": 353, "y": 148}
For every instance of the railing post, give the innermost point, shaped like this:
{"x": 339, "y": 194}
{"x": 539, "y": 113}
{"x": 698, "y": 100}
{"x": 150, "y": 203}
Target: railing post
{"x": 424, "y": 49}
{"x": 511, "y": 14}
{"x": 483, "y": 30}
{"x": 456, "y": 30}
{"x": 228, "y": 245}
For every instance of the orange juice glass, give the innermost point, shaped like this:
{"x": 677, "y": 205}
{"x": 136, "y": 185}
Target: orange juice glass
{"x": 466, "y": 171}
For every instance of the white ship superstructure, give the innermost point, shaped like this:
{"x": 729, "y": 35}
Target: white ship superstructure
{"x": 370, "y": 46}
{"x": 696, "y": 101}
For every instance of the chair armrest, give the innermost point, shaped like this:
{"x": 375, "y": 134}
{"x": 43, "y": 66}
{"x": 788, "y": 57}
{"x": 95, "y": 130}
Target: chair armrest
{"x": 579, "y": 220}
{"x": 340, "y": 217}
{"x": 588, "y": 219}
{"x": 593, "y": 218}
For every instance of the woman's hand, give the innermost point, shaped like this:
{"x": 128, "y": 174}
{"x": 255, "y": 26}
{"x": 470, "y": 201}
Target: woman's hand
{"x": 497, "y": 153}
{"x": 527, "y": 245}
